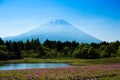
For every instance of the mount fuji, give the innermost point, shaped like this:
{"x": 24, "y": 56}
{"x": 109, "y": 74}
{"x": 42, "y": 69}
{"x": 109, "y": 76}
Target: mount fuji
{"x": 58, "y": 29}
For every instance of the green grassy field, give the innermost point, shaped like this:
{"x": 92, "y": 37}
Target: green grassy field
{"x": 69, "y": 60}
{"x": 80, "y": 69}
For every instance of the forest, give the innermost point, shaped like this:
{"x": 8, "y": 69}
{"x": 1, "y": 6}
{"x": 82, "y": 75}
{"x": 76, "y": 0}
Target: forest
{"x": 56, "y": 49}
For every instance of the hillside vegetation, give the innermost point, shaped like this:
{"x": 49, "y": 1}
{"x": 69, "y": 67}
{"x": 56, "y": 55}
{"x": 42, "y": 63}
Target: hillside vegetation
{"x": 57, "y": 49}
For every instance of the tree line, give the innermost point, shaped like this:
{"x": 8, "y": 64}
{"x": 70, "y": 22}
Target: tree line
{"x": 57, "y": 49}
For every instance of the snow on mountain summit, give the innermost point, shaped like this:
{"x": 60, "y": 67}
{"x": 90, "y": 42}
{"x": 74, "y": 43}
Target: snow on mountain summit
{"x": 59, "y": 22}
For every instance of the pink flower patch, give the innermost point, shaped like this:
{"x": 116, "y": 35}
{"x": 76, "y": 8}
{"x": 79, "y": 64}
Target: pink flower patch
{"x": 37, "y": 73}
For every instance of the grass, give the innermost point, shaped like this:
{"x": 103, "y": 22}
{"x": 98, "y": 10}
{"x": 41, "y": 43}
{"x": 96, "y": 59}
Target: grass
{"x": 72, "y": 61}
{"x": 83, "y": 69}
{"x": 111, "y": 78}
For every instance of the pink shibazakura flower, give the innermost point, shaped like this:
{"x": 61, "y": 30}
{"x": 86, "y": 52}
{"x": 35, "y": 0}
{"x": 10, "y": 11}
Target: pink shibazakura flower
{"x": 37, "y": 73}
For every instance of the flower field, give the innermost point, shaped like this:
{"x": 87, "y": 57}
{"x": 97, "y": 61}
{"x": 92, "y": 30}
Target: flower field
{"x": 83, "y": 72}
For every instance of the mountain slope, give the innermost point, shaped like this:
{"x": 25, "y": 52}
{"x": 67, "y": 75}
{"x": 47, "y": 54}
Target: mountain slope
{"x": 56, "y": 30}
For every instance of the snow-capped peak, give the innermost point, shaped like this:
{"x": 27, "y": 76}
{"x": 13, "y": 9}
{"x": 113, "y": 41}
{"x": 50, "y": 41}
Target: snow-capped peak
{"x": 59, "y": 22}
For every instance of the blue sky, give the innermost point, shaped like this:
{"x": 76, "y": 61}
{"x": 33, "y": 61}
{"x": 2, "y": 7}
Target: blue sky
{"x": 99, "y": 18}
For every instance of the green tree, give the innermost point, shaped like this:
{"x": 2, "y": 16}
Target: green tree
{"x": 59, "y": 46}
{"x": 84, "y": 52}
{"x": 76, "y": 53}
{"x": 40, "y": 51}
{"x": 101, "y": 51}
{"x": 110, "y": 50}
{"x": 48, "y": 44}
{"x": 66, "y": 52}
{"x": 74, "y": 45}
{"x": 1, "y": 41}
{"x": 28, "y": 53}
{"x": 20, "y": 45}
{"x": 118, "y": 51}
{"x": 92, "y": 54}
{"x": 95, "y": 45}
{"x": 35, "y": 43}
{"x": 16, "y": 50}
{"x": 28, "y": 45}
{"x": 9, "y": 46}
